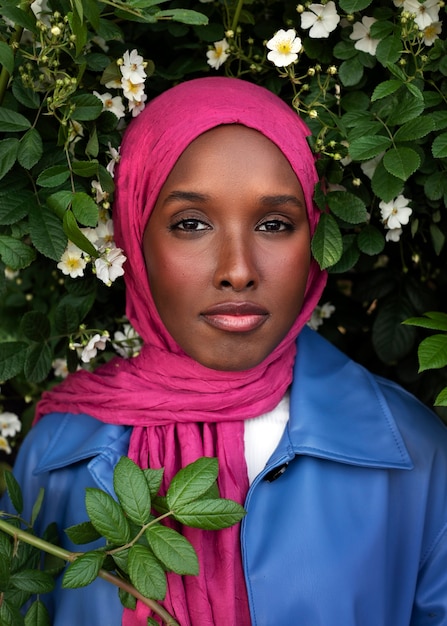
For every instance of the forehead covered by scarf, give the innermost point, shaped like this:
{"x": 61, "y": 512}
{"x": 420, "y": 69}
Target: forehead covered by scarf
{"x": 152, "y": 145}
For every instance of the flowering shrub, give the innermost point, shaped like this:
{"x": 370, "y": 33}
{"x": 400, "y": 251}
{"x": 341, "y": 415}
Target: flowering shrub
{"x": 368, "y": 77}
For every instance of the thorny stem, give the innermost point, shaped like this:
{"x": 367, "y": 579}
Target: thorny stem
{"x": 65, "y": 555}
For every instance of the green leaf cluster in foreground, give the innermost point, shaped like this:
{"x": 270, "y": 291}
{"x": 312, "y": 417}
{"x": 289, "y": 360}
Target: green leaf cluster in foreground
{"x": 138, "y": 550}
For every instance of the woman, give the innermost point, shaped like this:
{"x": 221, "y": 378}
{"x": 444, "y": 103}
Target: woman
{"x": 343, "y": 475}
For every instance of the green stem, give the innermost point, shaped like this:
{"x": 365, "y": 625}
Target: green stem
{"x": 65, "y": 555}
{"x": 236, "y": 15}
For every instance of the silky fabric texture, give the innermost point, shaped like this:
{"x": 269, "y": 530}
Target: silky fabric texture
{"x": 180, "y": 409}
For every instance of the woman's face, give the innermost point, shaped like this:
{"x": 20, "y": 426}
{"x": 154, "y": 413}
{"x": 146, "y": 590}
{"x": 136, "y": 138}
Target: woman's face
{"x": 227, "y": 248}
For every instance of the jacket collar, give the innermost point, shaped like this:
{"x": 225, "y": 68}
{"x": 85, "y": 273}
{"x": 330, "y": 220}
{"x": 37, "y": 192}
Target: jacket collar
{"x": 338, "y": 411}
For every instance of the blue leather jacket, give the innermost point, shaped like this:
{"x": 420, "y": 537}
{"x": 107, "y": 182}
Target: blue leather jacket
{"x": 346, "y": 525}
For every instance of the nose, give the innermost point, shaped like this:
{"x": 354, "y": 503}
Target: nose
{"x": 236, "y": 266}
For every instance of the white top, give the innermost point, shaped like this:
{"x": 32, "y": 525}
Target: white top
{"x": 262, "y": 435}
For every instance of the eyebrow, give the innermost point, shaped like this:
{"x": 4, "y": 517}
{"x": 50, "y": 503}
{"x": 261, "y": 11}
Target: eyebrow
{"x": 267, "y": 200}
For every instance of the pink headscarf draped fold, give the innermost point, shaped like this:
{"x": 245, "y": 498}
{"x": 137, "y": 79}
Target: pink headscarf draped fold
{"x": 179, "y": 409}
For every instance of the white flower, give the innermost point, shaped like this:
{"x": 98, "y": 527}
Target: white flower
{"x": 132, "y": 67}
{"x": 115, "y": 83}
{"x": 322, "y": 19}
{"x": 395, "y": 213}
{"x": 60, "y": 368}
{"x": 393, "y": 234}
{"x": 284, "y": 47}
{"x": 104, "y": 234}
{"x": 113, "y": 104}
{"x": 97, "y": 342}
{"x": 361, "y": 35}
{"x": 319, "y": 314}
{"x": 109, "y": 265}
{"x": 424, "y": 13}
{"x": 4, "y": 445}
{"x": 9, "y": 424}
{"x": 431, "y": 33}
{"x": 219, "y": 54}
{"x": 132, "y": 91}
{"x": 72, "y": 262}
{"x": 115, "y": 154}
{"x": 75, "y": 131}
{"x": 135, "y": 107}
{"x": 100, "y": 194}
{"x": 127, "y": 342}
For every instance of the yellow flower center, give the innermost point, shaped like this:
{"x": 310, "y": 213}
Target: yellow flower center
{"x": 284, "y": 47}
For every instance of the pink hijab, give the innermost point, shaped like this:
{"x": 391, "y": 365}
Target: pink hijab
{"x": 179, "y": 409}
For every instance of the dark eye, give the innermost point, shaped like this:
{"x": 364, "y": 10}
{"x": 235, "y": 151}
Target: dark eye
{"x": 190, "y": 225}
{"x": 274, "y": 226}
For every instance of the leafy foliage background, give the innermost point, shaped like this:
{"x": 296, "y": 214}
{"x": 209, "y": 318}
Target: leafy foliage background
{"x": 390, "y": 105}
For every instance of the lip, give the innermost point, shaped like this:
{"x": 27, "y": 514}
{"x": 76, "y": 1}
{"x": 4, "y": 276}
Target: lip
{"x": 236, "y": 317}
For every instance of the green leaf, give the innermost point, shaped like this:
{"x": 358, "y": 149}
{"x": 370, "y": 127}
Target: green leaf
{"x": 37, "y": 505}
{"x": 389, "y": 50}
{"x": 439, "y": 147}
{"x": 132, "y": 490}
{"x": 351, "y": 72}
{"x": 185, "y": 16}
{"x": 107, "y": 516}
{"x": 129, "y": 602}
{"x": 32, "y": 581}
{"x": 347, "y": 206}
{"x": 441, "y": 398}
{"x": 401, "y": 162}
{"x": 85, "y": 209}
{"x": 75, "y": 235}
{"x": 385, "y": 185}
{"x": 154, "y": 478}
{"x": 59, "y": 202}
{"x": 12, "y": 122}
{"x": 66, "y": 318}
{"x": 15, "y": 254}
{"x": 37, "y": 615}
{"x": 6, "y": 57}
{"x": 26, "y": 96}
{"x": 365, "y": 148}
{"x": 87, "y": 107}
{"x": 35, "y": 326}
{"x": 370, "y": 240}
{"x": 437, "y": 237}
{"x": 14, "y": 491}
{"x": 408, "y": 108}
{"x": 415, "y": 129}
{"x": 8, "y": 155}
{"x": 433, "y": 319}
{"x": 385, "y": 89}
{"x": 47, "y": 233}
{"x": 352, "y": 6}
{"x": 38, "y": 362}
{"x": 391, "y": 339}
{"x": 146, "y": 573}
{"x": 209, "y": 514}
{"x": 192, "y": 481}
{"x": 349, "y": 257}
{"x": 30, "y": 149}
{"x": 12, "y": 358}
{"x": 19, "y": 18}
{"x": 53, "y": 176}
{"x": 87, "y": 169}
{"x": 83, "y": 571}
{"x": 14, "y": 206}
{"x": 82, "y": 533}
{"x": 173, "y": 550}
{"x": 327, "y": 245}
{"x": 432, "y": 352}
